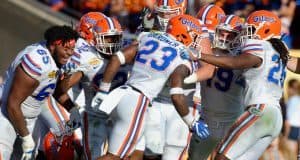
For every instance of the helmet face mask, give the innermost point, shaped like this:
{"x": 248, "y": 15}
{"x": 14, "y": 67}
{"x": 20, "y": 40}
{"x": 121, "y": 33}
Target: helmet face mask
{"x": 165, "y": 15}
{"x": 262, "y": 25}
{"x": 166, "y": 9}
{"x": 248, "y": 32}
{"x": 224, "y": 37}
{"x": 227, "y": 33}
{"x": 60, "y": 143}
{"x": 108, "y": 43}
{"x": 108, "y": 36}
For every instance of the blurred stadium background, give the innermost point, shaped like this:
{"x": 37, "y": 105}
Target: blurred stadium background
{"x": 24, "y": 21}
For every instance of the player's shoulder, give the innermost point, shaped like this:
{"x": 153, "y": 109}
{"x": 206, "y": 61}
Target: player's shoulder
{"x": 142, "y": 35}
{"x": 84, "y": 58}
{"x": 38, "y": 55}
{"x": 152, "y": 33}
{"x": 253, "y": 45}
{"x": 83, "y": 51}
{"x": 82, "y": 47}
{"x": 36, "y": 60}
{"x": 253, "y": 42}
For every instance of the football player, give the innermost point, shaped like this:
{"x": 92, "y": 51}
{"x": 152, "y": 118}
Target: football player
{"x": 95, "y": 52}
{"x": 226, "y": 86}
{"x": 156, "y": 57}
{"x": 29, "y": 81}
{"x": 164, "y": 126}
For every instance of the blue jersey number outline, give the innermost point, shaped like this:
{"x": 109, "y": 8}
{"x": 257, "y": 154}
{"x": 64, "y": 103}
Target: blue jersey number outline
{"x": 154, "y": 45}
{"x": 279, "y": 68}
{"x": 44, "y": 54}
{"x": 224, "y": 80}
{"x": 44, "y": 93}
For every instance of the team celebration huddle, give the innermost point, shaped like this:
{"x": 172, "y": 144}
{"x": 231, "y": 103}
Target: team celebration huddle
{"x": 187, "y": 87}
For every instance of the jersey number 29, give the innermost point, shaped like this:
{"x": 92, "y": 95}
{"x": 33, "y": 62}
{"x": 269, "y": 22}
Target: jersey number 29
{"x": 278, "y": 70}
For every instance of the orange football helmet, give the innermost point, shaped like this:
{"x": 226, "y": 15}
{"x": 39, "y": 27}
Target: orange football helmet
{"x": 227, "y": 32}
{"x": 86, "y": 23}
{"x": 167, "y": 9}
{"x": 59, "y": 147}
{"x": 262, "y": 25}
{"x": 210, "y": 15}
{"x": 187, "y": 30}
{"x": 108, "y": 35}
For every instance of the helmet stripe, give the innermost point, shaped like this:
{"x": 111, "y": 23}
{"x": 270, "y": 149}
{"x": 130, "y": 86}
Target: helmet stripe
{"x": 228, "y": 19}
{"x": 165, "y": 2}
{"x": 207, "y": 9}
{"x": 110, "y": 23}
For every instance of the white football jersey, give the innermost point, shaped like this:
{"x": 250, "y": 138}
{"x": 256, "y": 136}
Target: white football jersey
{"x": 87, "y": 60}
{"x": 38, "y": 63}
{"x": 222, "y": 94}
{"x": 158, "y": 56}
{"x": 264, "y": 83}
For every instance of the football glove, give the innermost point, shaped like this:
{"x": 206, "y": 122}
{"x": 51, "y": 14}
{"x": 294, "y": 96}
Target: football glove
{"x": 28, "y": 147}
{"x": 200, "y": 128}
{"x": 75, "y": 117}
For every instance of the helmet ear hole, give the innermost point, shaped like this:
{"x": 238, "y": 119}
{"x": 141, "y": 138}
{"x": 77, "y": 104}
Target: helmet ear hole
{"x": 267, "y": 31}
{"x": 181, "y": 37}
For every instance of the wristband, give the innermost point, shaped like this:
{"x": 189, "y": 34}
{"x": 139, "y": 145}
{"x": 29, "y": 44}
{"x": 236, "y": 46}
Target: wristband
{"x": 176, "y": 90}
{"x": 121, "y": 57}
{"x": 104, "y": 86}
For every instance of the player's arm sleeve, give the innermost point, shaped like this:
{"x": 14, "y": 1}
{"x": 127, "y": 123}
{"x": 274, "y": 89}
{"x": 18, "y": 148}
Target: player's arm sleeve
{"x": 253, "y": 47}
{"x": 33, "y": 66}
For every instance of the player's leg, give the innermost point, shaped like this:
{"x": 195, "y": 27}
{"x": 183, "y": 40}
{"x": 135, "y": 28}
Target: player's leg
{"x": 129, "y": 125}
{"x": 155, "y": 130}
{"x": 52, "y": 116}
{"x": 258, "y": 122}
{"x": 94, "y": 135}
{"x": 7, "y": 138}
{"x": 138, "y": 153}
{"x": 177, "y": 134}
{"x": 255, "y": 151}
{"x": 200, "y": 149}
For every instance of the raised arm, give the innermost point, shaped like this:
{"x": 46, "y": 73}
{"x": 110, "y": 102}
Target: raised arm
{"x": 241, "y": 61}
{"x": 179, "y": 101}
{"x": 125, "y": 56}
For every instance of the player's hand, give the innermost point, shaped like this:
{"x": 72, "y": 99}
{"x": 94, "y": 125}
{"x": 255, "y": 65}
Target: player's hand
{"x": 191, "y": 79}
{"x": 28, "y": 146}
{"x": 98, "y": 98}
{"x": 191, "y": 54}
{"x": 200, "y": 128}
{"x": 147, "y": 19}
{"x": 75, "y": 118}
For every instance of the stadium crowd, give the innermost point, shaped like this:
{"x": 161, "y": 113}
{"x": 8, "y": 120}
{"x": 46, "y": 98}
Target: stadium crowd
{"x": 132, "y": 9}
